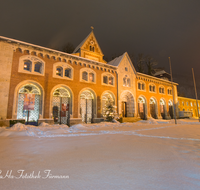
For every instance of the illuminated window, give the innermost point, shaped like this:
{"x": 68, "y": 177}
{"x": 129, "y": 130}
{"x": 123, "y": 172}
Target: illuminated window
{"x": 183, "y": 103}
{"x": 27, "y": 65}
{"x": 191, "y": 104}
{"x": 91, "y": 77}
{"x": 108, "y": 79}
{"x": 187, "y": 104}
{"x": 59, "y": 71}
{"x": 31, "y": 64}
{"x": 87, "y": 75}
{"x": 111, "y": 80}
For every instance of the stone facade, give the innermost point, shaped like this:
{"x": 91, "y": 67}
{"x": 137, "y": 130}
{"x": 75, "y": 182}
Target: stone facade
{"x": 73, "y": 88}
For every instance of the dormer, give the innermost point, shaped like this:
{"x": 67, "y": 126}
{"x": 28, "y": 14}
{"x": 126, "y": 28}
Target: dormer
{"x": 90, "y": 49}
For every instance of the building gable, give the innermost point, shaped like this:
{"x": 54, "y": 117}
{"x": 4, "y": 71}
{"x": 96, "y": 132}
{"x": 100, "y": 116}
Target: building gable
{"x": 90, "y": 49}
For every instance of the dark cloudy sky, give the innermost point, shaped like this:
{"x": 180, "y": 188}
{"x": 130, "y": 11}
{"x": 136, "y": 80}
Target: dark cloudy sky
{"x": 160, "y": 28}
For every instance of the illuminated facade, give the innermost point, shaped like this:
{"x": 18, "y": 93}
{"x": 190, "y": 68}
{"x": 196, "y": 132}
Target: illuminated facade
{"x": 46, "y": 85}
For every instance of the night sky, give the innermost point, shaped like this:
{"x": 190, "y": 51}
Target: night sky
{"x": 160, "y": 28}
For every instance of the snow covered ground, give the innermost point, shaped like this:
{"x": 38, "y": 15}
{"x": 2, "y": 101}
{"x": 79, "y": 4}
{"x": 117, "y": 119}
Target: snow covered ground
{"x": 153, "y": 154}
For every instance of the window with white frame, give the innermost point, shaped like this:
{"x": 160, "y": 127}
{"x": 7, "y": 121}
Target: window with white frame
{"x": 169, "y": 91}
{"x": 63, "y": 70}
{"x": 191, "y": 104}
{"x": 152, "y": 88}
{"x": 31, "y": 64}
{"x": 161, "y": 90}
{"x": 141, "y": 86}
{"x": 87, "y": 75}
{"x": 108, "y": 79}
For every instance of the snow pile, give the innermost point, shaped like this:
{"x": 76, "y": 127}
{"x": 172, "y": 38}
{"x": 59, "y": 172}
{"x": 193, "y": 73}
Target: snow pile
{"x": 18, "y": 127}
{"x": 43, "y": 124}
{"x": 149, "y": 121}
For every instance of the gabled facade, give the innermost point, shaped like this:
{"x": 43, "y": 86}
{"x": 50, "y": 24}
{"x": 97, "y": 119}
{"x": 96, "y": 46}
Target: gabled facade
{"x": 90, "y": 49}
{"x": 44, "y": 85}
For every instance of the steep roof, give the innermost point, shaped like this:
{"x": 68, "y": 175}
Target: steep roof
{"x": 89, "y": 36}
{"x": 117, "y": 61}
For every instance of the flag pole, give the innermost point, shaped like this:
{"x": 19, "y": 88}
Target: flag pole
{"x": 174, "y": 111}
{"x": 195, "y": 93}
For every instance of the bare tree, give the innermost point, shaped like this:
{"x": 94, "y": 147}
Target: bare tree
{"x": 140, "y": 63}
{"x": 68, "y": 48}
{"x": 150, "y": 63}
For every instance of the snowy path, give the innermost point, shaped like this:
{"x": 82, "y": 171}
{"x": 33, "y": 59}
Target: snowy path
{"x": 144, "y": 155}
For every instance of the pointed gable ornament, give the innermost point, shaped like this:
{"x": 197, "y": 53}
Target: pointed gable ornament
{"x": 89, "y": 48}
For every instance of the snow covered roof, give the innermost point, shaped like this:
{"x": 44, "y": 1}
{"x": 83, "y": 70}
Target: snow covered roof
{"x": 160, "y": 72}
{"x": 81, "y": 44}
{"x": 116, "y": 61}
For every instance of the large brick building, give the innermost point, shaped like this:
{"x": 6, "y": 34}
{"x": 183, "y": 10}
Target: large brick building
{"x": 43, "y": 84}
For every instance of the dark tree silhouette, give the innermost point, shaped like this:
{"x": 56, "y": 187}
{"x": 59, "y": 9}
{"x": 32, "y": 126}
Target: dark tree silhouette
{"x": 150, "y": 63}
{"x": 68, "y": 48}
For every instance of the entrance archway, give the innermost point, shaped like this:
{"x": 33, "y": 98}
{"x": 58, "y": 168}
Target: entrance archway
{"x": 29, "y": 103}
{"x": 86, "y": 106}
{"x": 127, "y": 108}
{"x": 163, "y": 108}
{"x": 61, "y": 105}
{"x": 153, "y": 108}
{"x": 142, "y": 108}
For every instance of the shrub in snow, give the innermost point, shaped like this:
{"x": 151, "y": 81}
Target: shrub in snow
{"x": 109, "y": 110}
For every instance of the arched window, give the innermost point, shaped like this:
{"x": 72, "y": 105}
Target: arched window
{"x": 59, "y": 71}
{"x": 62, "y": 69}
{"x": 107, "y": 79}
{"x": 68, "y": 73}
{"x": 38, "y": 67}
{"x": 27, "y": 65}
{"x": 111, "y": 80}
{"x": 85, "y": 75}
{"x": 126, "y": 81}
{"x": 31, "y": 64}
{"x": 152, "y": 88}
{"x": 161, "y": 90}
{"x": 169, "y": 91}
{"x": 141, "y": 86}
{"x": 91, "y": 77}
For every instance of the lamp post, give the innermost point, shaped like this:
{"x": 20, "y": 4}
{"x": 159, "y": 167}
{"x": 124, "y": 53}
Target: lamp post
{"x": 174, "y": 112}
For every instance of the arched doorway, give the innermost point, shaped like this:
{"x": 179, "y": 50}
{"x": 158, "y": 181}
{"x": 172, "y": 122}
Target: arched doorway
{"x": 170, "y": 104}
{"x": 162, "y": 108}
{"x": 29, "y": 103}
{"x": 61, "y": 106}
{"x": 106, "y": 97}
{"x": 142, "y": 111}
{"x": 86, "y": 106}
{"x": 153, "y": 108}
{"x": 127, "y": 104}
